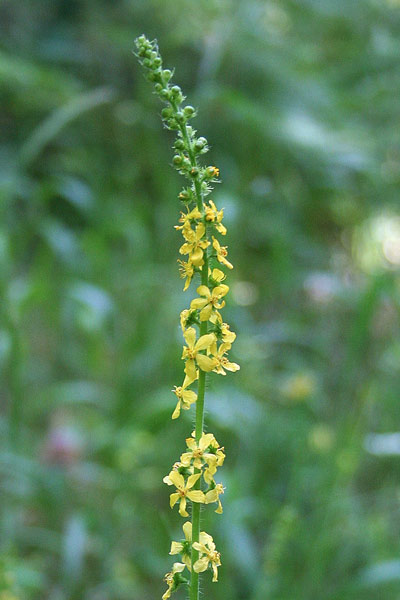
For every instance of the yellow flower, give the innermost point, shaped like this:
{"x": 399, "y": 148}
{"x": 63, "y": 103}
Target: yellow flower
{"x": 195, "y": 245}
{"x": 186, "y": 218}
{"x": 207, "y": 451}
{"x": 170, "y": 579}
{"x": 216, "y": 275}
{"x": 198, "y": 451}
{"x": 210, "y": 301}
{"x": 209, "y": 555}
{"x": 213, "y": 215}
{"x": 183, "y": 548}
{"x": 186, "y": 270}
{"x": 213, "y": 171}
{"x": 221, "y": 253}
{"x": 183, "y": 318}
{"x": 228, "y": 336}
{"x": 221, "y": 359}
{"x": 192, "y": 354}
{"x": 213, "y": 496}
{"x": 184, "y": 492}
{"x": 185, "y": 397}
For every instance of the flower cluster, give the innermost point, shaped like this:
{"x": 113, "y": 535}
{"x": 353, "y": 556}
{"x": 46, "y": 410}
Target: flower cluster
{"x": 208, "y": 338}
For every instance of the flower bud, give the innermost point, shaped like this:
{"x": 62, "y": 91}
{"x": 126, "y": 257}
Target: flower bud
{"x": 157, "y": 61}
{"x": 176, "y": 90}
{"x": 180, "y": 117}
{"x": 184, "y": 196}
{"x": 158, "y": 87}
{"x": 165, "y": 94}
{"x": 194, "y": 171}
{"x": 167, "y": 74}
{"x": 177, "y": 160}
{"x": 188, "y": 111}
{"x": 166, "y": 112}
{"x": 172, "y": 124}
{"x": 212, "y": 172}
{"x": 179, "y": 144}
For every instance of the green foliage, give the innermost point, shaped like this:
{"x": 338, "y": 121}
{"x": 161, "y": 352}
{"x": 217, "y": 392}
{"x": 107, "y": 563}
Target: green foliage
{"x": 300, "y": 100}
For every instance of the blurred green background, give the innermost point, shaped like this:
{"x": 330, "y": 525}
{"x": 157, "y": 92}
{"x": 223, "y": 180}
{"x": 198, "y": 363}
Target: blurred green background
{"x": 300, "y": 101}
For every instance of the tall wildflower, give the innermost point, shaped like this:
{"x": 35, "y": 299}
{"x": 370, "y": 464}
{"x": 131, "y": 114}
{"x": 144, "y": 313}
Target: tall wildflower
{"x": 208, "y": 338}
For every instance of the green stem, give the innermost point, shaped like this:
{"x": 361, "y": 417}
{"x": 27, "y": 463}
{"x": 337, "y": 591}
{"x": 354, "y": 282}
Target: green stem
{"x": 194, "y": 578}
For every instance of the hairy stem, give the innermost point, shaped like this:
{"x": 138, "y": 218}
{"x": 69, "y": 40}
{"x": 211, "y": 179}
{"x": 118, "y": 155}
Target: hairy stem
{"x": 194, "y": 579}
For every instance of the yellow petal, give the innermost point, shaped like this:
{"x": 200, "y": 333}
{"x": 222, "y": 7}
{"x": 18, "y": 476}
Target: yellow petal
{"x": 187, "y": 530}
{"x": 178, "y": 567}
{"x": 182, "y": 507}
{"x": 176, "y": 548}
{"x": 200, "y": 231}
{"x": 220, "y": 290}
{"x": 186, "y": 458}
{"x": 218, "y": 275}
{"x": 173, "y": 499}
{"x": 203, "y": 290}
{"x": 197, "y": 257}
{"x": 192, "y": 479}
{"x": 190, "y": 336}
{"x": 205, "y": 440}
{"x": 189, "y": 396}
{"x": 185, "y": 248}
{"x": 205, "y": 314}
{"x": 211, "y": 496}
{"x": 205, "y": 341}
{"x": 190, "y": 369}
{"x": 205, "y": 538}
{"x": 198, "y": 303}
{"x": 177, "y": 410}
{"x": 205, "y": 362}
{"x": 177, "y": 479}
{"x": 201, "y": 564}
{"x": 200, "y": 547}
{"x": 232, "y": 366}
{"x": 195, "y": 496}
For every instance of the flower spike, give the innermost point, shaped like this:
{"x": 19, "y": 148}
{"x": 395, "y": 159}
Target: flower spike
{"x": 207, "y": 337}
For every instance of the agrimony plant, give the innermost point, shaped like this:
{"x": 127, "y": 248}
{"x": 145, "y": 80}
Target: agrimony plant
{"x": 208, "y": 338}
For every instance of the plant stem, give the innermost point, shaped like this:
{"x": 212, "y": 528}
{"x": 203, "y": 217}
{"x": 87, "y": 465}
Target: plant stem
{"x": 194, "y": 578}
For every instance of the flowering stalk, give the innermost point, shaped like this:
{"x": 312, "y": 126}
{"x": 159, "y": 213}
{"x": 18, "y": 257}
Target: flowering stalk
{"x": 207, "y": 337}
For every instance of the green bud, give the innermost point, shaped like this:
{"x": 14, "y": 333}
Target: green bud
{"x": 157, "y": 61}
{"x": 172, "y": 124}
{"x": 200, "y": 144}
{"x": 187, "y": 163}
{"x": 180, "y": 117}
{"x": 142, "y": 51}
{"x": 194, "y": 171}
{"x": 165, "y": 93}
{"x": 176, "y": 90}
{"x": 166, "y": 112}
{"x": 177, "y": 160}
{"x": 184, "y": 196}
{"x": 188, "y": 111}
{"x": 167, "y": 74}
{"x": 147, "y": 63}
{"x": 179, "y": 144}
{"x": 140, "y": 40}
{"x": 158, "y": 87}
